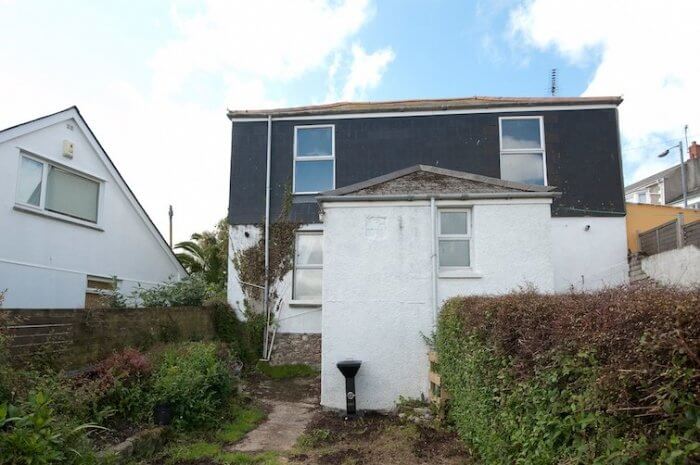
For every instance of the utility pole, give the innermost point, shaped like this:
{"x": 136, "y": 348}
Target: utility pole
{"x": 170, "y": 217}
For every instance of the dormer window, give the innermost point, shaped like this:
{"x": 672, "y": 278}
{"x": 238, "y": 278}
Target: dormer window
{"x": 522, "y": 149}
{"x": 314, "y": 159}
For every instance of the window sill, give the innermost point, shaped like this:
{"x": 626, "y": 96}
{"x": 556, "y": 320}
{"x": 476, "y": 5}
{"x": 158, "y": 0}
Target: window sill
{"x": 56, "y": 216}
{"x": 460, "y": 274}
{"x": 304, "y": 303}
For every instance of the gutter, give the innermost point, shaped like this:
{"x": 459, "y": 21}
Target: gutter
{"x": 458, "y": 196}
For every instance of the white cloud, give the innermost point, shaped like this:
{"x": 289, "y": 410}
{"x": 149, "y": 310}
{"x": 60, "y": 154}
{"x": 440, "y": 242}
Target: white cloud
{"x": 266, "y": 39}
{"x": 366, "y": 71}
{"x": 161, "y": 116}
{"x": 647, "y": 52}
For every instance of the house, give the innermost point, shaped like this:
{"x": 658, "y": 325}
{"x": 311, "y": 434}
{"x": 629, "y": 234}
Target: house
{"x": 404, "y": 204}
{"x": 666, "y": 187}
{"x": 71, "y": 228}
{"x": 642, "y": 217}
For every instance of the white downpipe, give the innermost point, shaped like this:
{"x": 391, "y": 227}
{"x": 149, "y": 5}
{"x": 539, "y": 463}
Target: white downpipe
{"x": 267, "y": 233}
{"x": 433, "y": 256}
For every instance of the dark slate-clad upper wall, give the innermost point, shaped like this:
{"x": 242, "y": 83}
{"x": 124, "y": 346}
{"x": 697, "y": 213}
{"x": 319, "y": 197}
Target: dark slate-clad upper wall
{"x": 582, "y": 153}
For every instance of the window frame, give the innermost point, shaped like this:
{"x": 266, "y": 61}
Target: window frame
{"x": 512, "y": 152}
{"x": 296, "y": 266}
{"x": 296, "y": 158}
{"x": 41, "y": 208}
{"x": 454, "y": 237}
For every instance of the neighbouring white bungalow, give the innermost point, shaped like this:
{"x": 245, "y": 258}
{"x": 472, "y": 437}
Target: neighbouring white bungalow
{"x": 70, "y": 227}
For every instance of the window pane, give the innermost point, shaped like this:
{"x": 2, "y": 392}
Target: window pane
{"x": 309, "y": 249}
{"x": 71, "y": 195}
{"x": 313, "y": 176}
{"x": 314, "y": 142}
{"x": 453, "y": 253}
{"x": 642, "y": 196}
{"x": 453, "y": 223}
{"x": 307, "y": 284}
{"x": 29, "y": 189}
{"x": 523, "y": 167}
{"x": 520, "y": 134}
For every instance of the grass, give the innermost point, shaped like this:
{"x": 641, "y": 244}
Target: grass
{"x": 245, "y": 420}
{"x": 242, "y": 420}
{"x": 298, "y": 370}
{"x": 214, "y": 451}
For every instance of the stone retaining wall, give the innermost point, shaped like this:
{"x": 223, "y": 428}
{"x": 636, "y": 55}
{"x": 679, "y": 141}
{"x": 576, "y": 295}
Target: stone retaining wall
{"x": 297, "y": 348}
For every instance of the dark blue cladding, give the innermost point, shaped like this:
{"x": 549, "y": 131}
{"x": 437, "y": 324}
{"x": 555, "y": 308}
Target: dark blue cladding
{"x": 582, "y": 150}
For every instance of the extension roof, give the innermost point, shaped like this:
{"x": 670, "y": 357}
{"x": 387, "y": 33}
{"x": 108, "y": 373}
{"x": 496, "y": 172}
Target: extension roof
{"x": 467, "y": 103}
{"x": 422, "y": 181}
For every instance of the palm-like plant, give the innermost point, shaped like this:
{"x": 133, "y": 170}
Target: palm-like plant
{"x": 207, "y": 253}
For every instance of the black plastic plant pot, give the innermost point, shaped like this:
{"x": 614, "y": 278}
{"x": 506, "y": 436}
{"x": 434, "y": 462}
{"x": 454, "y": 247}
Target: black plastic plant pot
{"x": 162, "y": 414}
{"x": 349, "y": 369}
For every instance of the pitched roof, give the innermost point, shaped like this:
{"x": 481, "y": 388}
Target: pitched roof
{"x": 422, "y": 181}
{"x": 475, "y": 102}
{"x": 74, "y": 112}
{"x": 651, "y": 179}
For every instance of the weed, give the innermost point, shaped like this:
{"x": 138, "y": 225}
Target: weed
{"x": 314, "y": 438}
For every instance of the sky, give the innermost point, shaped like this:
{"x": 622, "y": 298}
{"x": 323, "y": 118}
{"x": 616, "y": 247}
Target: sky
{"x": 154, "y": 79}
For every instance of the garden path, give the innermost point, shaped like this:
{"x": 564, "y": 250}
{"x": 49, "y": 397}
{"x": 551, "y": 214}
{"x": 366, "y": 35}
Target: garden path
{"x": 291, "y": 405}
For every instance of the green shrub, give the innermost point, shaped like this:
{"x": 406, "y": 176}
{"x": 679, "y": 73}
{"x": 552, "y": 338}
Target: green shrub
{"x": 607, "y": 377}
{"x": 190, "y": 291}
{"x": 32, "y": 434}
{"x": 194, "y": 381}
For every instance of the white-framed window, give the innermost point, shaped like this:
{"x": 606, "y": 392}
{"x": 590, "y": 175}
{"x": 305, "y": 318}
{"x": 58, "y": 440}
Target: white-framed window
{"x": 314, "y": 159}
{"x": 523, "y": 157}
{"x": 44, "y": 186}
{"x": 454, "y": 239}
{"x": 308, "y": 266}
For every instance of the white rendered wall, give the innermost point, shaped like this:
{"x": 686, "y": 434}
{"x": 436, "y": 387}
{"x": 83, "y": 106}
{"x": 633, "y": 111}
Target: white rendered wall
{"x": 44, "y": 262}
{"x": 290, "y": 319}
{"x": 678, "y": 267}
{"x": 377, "y": 287}
{"x": 588, "y": 259}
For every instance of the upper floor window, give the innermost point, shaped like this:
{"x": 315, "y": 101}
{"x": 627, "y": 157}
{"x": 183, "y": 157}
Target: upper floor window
{"x": 314, "y": 159}
{"x": 57, "y": 190}
{"x": 522, "y": 149}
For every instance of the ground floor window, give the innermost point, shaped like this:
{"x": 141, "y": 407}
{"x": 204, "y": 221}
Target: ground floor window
{"x": 308, "y": 266}
{"x": 454, "y": 239}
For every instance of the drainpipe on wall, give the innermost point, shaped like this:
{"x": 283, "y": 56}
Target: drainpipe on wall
{"x": 267, "y": 234}
{"x": 433, "y": 257}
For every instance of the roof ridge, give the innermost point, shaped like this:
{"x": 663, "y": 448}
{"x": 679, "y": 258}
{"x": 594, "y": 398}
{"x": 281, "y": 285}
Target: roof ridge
{"x": 475, "y": 101}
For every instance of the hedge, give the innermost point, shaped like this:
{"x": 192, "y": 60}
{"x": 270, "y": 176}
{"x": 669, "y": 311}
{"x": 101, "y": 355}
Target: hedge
{"x": 606, "y": 377}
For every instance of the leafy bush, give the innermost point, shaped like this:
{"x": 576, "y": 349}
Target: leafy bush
{"x": 32, "y": 434}
{"x": 194, "y": 381}
{"x": 607, "y": 377}
{"x": 190, "y": 291}
{"x": 117, "y": 387}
